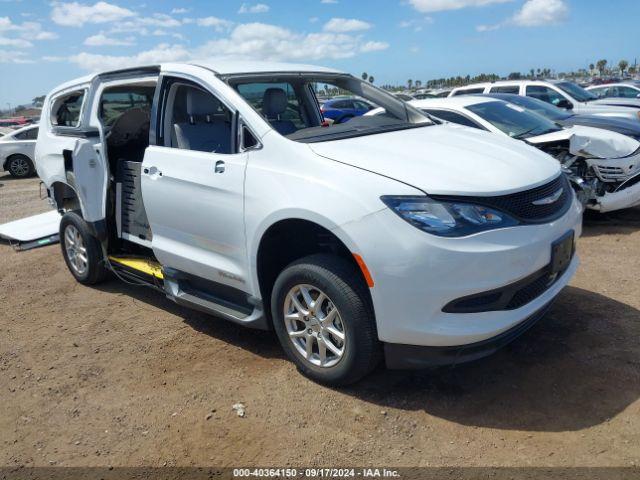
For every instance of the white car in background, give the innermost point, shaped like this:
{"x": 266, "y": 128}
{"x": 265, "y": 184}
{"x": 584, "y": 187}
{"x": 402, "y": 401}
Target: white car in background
{"x": 221, "y": 186}
{"x": 17, "y": 150}
{"x": 603, "y": 165}
{"x": 561, "y": 94}
{"x": 615, "y": 92}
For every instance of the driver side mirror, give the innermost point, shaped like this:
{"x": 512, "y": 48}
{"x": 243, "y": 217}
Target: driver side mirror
{"x": 564, "y": 103}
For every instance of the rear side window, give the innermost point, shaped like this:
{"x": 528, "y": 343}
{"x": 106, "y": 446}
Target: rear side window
{"x": 545, "y": 94}
{"x": 506, "y": 89}
{"x": 453, "y": 117}
{"x": 66, "y": 109}
{"x": 468, "y": 91}
{"x": 30, "y": 134}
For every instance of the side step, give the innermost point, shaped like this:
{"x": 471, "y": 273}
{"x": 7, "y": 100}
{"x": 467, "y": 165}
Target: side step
{"x": 139, "y": 269}
{"x": 184, "y": 289}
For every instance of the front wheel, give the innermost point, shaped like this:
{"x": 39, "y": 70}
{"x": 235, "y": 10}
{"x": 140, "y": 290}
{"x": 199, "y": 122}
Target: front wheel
{"x": 20, "y": 166}
{"x": 323, "y": 318}
{"x": 81, "y": 250}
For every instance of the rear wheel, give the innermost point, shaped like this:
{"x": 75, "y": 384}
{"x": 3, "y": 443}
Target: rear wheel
{"x": 81, "y": 250}
{"x": 20, "y": 166}
{"x": 322, "y": 315}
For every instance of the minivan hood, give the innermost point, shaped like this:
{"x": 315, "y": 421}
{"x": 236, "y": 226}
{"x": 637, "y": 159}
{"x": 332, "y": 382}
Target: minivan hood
{"x": 591, "y": 142}
{"x": 446, "y": 160}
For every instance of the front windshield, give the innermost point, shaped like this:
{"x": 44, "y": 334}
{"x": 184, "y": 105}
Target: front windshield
{"x": 542, "y": 108}
{"x": 577, "y": 92}
{"x": 513, "y": 120}
{"x": 321, "y": 107}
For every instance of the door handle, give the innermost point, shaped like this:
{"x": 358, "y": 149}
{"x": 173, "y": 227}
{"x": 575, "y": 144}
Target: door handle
{"x": 219, "y": 168}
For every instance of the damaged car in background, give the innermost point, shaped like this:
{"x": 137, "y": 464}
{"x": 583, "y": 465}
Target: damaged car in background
{"x": 603, "y": 166}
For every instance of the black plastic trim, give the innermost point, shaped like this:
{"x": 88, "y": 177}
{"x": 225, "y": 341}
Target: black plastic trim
{"x": 414, "y": 357}
{"x": 89, "y": 132}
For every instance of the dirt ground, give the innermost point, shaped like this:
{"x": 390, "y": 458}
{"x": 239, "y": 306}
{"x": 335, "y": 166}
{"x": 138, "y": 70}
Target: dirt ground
{"x": 118, "y": 375}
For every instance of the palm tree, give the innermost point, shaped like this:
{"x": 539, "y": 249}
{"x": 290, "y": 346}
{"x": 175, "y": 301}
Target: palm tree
{"x": 418, "y": 83}
{"x": 365, "y": 75}
{"x": 591, "y": 67}
{"x": 623, "y": 66}
{"x": 532, "y": 72}
{"x": 601, "y": 65}
{"x": 409, "y": 83}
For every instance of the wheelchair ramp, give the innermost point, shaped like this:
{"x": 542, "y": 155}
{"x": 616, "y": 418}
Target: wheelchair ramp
{"x": 32, "y": 232}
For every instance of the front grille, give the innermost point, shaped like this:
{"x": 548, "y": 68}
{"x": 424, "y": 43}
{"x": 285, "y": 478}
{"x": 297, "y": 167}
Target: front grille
{"x": 610, "y": 174}
{"x": 521, "y": 204}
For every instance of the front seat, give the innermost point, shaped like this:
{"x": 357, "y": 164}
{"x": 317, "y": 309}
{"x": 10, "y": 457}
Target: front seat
{"x": 274, "y": 104}
{"x": 207, "y": 130}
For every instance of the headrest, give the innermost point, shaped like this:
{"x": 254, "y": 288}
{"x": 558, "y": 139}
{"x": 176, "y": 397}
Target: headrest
{"x": 274, "y": 102}
{"x": 200, "y": 102}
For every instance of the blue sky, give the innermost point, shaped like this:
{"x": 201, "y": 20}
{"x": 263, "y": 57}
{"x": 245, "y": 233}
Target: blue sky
{"x": 44, "y": 42}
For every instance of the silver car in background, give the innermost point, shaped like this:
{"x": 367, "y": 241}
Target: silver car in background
{"x": 17, "y": 152}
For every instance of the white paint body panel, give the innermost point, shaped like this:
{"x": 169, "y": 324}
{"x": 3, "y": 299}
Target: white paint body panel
{"x": 31, "y": 228}
{"x": 211, "y": 224}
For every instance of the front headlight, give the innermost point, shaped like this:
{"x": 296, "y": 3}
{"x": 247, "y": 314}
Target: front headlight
{"x": 447, "y": 219}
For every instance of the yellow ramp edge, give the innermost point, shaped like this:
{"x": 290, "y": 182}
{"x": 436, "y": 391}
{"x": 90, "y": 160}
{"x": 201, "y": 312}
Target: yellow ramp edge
{"x": 149, "y": 267}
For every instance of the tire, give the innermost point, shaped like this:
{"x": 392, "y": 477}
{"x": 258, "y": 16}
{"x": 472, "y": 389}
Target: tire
{"x": 81, "y": 250}
{"x": 20, "y": 166}
{"x": 345, "y": 291}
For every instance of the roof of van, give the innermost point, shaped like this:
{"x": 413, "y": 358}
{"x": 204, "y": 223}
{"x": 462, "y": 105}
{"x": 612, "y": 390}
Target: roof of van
{"x": 228, "y": 67}
{"x": 223, "y": 67}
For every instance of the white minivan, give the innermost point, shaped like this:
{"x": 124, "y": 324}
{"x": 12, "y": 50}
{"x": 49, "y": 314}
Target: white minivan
{"x": 390, "y": 236}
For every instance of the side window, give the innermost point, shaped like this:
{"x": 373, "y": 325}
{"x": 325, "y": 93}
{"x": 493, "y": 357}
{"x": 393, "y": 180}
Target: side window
{"x": 30, "y": 134}
{"x": 197, "y": 120}
{"x": 628, "y": 92}
{"x": 361, "y": 105}
{"x": 599, "y": 92}
{"x": 453, "y": 117}
{"x": 469, "y": 91}
{"x": 277, "y": 102}
{"x": 247, "y": 138}
{"x": 506, "y": 89}
{"x": 545, "y": 94}
{"x": 66, "y": 110}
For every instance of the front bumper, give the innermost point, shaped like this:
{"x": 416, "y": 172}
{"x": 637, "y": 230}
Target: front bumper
{"x": 416, "y": 275}
{"x": 413, "y": 357}
{"x": 624, "y": 197}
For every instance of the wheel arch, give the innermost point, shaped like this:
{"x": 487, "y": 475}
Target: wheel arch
{"x": 65, "y": 197}
{"x": 289, "y": 239}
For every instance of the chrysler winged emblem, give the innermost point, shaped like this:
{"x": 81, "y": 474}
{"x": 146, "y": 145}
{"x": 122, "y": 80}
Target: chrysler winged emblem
{"x": 550, "y": 199}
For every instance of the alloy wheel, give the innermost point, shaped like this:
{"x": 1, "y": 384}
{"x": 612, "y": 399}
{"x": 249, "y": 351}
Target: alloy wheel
{"x": 19, "y": 167}
{"x": 76, "y": 250}
{"x": 314, "y": 326}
